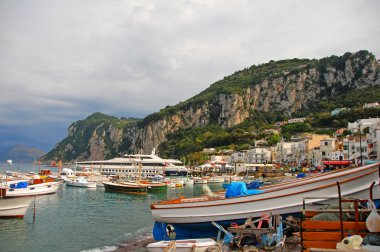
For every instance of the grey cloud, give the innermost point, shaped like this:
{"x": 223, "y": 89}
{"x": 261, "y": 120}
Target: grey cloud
{"x": 63, "y": 60}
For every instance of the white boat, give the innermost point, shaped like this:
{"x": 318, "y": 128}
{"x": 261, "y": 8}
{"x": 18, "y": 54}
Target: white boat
{"x": 80, "y": 182}
{"x": 128, "y": 165}
{"x": 33, "y": 189}
{"x": 199, "y": 180}
{"x": 13, "y": 207}
{"x": 215, "y": 179}
{"x": 67, "y": 173}
{"x": 188, "y": 181}
{"x": 189, "y": 245}
{"x": 192, "y": 213}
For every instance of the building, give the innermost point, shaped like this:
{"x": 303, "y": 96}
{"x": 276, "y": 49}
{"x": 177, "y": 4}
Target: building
{"x": 238, "y": 157}
{"x": 362, "y": 124}
{"x": 373, "y": 141}
{"x": 283, "y": 152}
{"x": 296, "y": 120}
{"x": 313, "y": 143}
{"x": 258, "y": 156}
{"x": 371, "y": 105}
{"x": 327, "y": 148}
{"x": 208, "y": 150}
{"x": 349, "y": 149}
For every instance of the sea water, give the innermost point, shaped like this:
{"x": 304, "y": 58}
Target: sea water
{"x": 83, "y": 219}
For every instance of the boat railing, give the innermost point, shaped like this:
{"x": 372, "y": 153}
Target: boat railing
{"x": 326, "y": 233}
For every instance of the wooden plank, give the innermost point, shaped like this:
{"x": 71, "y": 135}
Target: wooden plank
{"x": 326, "y": 236}
{"x": 309, "y": 214}
{"x": 321, "y": 236}
{"x": 312, "y": 213}
{"x": 332, "y": 225}
{"x": 319, "y": 244}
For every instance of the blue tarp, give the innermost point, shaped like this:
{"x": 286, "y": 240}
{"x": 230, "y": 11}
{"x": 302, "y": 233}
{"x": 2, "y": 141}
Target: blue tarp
{"x": 19, "y": 185}
{"x": 301, "y": 175}
{"x": 237, "y": 189}
{"x": 253, "y": 185}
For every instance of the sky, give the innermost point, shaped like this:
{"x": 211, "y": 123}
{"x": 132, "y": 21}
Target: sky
{"x": 62, "y": 60}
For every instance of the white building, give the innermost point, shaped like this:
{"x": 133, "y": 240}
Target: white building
{"x": 296, "y": 120}
{"x": 283, "y": 152}
{"x": 237, "y": 157}
{"x": 373, "y": 141}
{"x": 362, "y": 124}
{"x": 327, "y": 149}
{"x": 258, "y": 156}
{"x": 371, "y": 105}
{"x": 349, "y": 149}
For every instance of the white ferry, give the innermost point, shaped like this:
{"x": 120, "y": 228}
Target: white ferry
{"x": 129, "y": 165}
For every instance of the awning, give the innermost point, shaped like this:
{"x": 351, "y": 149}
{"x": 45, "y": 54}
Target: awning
{"x": 336, "y": 162}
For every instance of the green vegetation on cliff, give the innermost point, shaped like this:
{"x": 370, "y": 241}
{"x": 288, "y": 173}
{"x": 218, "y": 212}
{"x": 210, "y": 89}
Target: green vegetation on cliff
{"x": 331, "y": 82}
{"x": 185, "y": 142}
{"x": 254, "y": 75}
{"x": 77, "y": 143}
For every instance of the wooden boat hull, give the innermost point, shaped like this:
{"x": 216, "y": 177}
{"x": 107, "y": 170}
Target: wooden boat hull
{"x": 34, "y": 190}
{"x": 189, "y": 245}
{"x": 14, "y": 207}
{"x": 155, "y": 188}
{"x": 128, "y": 188}
{"x": 283, "y": 198}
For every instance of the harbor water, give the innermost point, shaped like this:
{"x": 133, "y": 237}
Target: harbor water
{"x": 83, "y": 219}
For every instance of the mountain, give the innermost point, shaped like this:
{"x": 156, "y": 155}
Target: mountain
{"x": 283, "y": 89}
{"x": 21, "y": 153}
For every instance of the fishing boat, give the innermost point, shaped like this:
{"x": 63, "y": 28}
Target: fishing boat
{"x": 13, "y": 207}
{"x": 22, "y": 189}
{"x": 189, "y": 245}
{"x": 80, "y": 182}
{"x": 191, "y": 217}
{"x": 154, "y": 185}
{"x": 125, "y": 187}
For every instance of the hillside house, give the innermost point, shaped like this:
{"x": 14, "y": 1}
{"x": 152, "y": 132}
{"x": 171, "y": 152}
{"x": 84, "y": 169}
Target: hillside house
{"x": 371, "y": 105}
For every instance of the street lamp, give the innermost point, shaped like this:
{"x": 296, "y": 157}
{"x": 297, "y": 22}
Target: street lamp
{"x": 348, "y": 148}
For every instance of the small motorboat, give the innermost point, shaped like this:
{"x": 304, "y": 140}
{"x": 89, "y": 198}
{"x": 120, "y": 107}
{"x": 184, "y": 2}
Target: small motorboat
{"x": 189, "y": 245}
{"x": 80, "y": 182}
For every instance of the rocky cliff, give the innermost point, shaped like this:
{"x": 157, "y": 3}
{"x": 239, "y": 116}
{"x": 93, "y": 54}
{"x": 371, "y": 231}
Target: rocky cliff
{"x": 286, "y": 86}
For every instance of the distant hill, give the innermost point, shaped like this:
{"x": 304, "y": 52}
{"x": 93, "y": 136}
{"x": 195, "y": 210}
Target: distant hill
{"x": 21, "y": 153}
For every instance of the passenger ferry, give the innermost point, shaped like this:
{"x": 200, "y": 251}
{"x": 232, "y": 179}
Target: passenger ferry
{"x": 129, "y": 165}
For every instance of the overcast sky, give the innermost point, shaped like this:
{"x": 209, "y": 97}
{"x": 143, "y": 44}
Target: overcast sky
{"x": 62, "y": 60}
